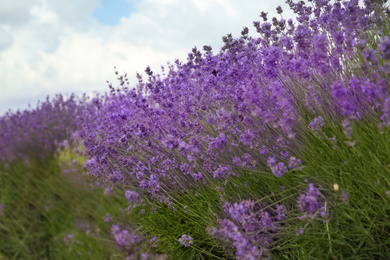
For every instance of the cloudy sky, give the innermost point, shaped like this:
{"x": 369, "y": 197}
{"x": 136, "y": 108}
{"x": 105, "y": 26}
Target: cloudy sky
{"x": 58, "y": 46}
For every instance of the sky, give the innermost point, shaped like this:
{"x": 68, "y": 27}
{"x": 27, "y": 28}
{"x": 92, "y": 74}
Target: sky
{"x": 56, "y": 46}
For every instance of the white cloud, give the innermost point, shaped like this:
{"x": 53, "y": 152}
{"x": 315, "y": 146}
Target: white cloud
{"x": 55, "y": 46}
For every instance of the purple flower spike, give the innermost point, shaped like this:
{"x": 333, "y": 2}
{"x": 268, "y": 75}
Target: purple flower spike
{"x": 344, "y": 197}
{"x": 308, "y": 203}
{"x": 279, "y": 170}
{"x": 281, "y": 209}
{"x": 266, "y": 220}
{"x": 299, "y": 232}
{"x": 294, "y": 163}
{"x": 186, "y": 240}
{"x": 385, "y": 48}
{"x": 106, "y": 218}
{"x": 317, "y": 124}
{"x": 123, "y": 237}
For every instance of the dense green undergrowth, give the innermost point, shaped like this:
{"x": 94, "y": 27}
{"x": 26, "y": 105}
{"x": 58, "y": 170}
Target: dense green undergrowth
{"x": 52, "y": 212}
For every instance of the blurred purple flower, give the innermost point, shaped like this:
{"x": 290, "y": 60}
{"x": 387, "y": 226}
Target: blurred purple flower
{"x": 106, "y": 218}
{"x": 299, "y": 232}
{"x": 186, "y": 240}
{"x": 344, "y": 197}
{"x": 308, "y": 203}
{"x": 317, "y": 124}
{"x": 294, "y": 163}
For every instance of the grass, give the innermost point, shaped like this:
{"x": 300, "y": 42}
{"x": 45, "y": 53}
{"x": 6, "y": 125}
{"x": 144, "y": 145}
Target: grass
{"x": 50, "y": 213}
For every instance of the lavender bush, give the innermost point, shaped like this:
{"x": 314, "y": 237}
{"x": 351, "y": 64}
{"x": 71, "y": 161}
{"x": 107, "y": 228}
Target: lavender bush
{"x": 248, "y": 108}
{"x": 234, "y": 154}
{"x": 240, "y": 108}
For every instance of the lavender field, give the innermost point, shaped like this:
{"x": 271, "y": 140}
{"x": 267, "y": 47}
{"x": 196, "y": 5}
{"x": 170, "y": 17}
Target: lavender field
{"x": 275, "y": 147}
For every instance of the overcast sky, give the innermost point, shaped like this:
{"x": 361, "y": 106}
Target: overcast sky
{"x": 65, "y": 46}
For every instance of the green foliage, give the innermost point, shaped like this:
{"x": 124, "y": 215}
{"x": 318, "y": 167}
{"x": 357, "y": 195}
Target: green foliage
{"x": 48, "y": 214}
{"x": 359, "y": 227}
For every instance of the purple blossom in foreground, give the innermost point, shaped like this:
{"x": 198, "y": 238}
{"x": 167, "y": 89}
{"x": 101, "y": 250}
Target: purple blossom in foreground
{"x": 106, "y": 218}
{"x": 281, "y": 209}
{"x": 309, "y": 203}
{"x": 108, "y": 191}
{"x": 344, "y": 197}
{"x": 278, "y": 169}
{"x": 154, "y": 241}
{"x": 299, "y": 231}
{"x": 1, "y": 210}
{"x": 230, "y": 232}
{"x": 385, "y": 48}
{"x": 237, "y": 211}
{"x": 186, "y": 240}
{"x": 134, "y": 198}
{"x": 386, "y": 113}
{"x": 249, "y": 232}
{"x": 69, "y": 239}
{"x": 266, "y": 220}
{"x": 294, "y": 163}
{"x": 123, "y": 237}
{"x": 317, "y": 124}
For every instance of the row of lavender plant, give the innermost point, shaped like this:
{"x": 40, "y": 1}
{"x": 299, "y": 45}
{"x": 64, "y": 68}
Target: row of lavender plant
{"x": 246, "y": 107}
{"x": 40, "y": 131}
{"x": 215, "y": 114}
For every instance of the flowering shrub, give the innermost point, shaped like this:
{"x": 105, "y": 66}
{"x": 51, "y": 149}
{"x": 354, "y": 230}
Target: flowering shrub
{"x": 214, "y": 113}
{"x": 247, "y": 107}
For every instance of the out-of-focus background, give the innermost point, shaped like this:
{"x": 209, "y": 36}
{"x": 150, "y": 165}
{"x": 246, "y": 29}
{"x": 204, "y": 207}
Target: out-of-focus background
{"x": 55, "y": 46}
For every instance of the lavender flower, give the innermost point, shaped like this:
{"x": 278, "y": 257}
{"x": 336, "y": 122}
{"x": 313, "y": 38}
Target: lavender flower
{"x": 281, "y": 209}
{"x": 133, "y": 197}
{"x": 186, "y": 240}
{"x": 278, "y": 169}
{"x": 299, "y": 231}
{"x": 266, "y": 220}
{"x": 308, "y": 203}
{"x": 317, "y": 124}
{"x": 294, "y": 163}
{"x": 344, "y": 197}
{"x": 154, "y": 241}
{"x": 106, "y": 218}
{"x": 385, "y": 48}
{"x": 123, "y": 237}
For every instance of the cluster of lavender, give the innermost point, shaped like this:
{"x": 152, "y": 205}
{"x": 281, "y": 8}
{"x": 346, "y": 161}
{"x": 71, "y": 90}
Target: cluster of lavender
{"x": 41, "y": 131}
{"x": 130, "y": 243}
{"x": 123, "y": 237}
{"x": 252, "y": 230}
{"x": 215, "y": 114}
